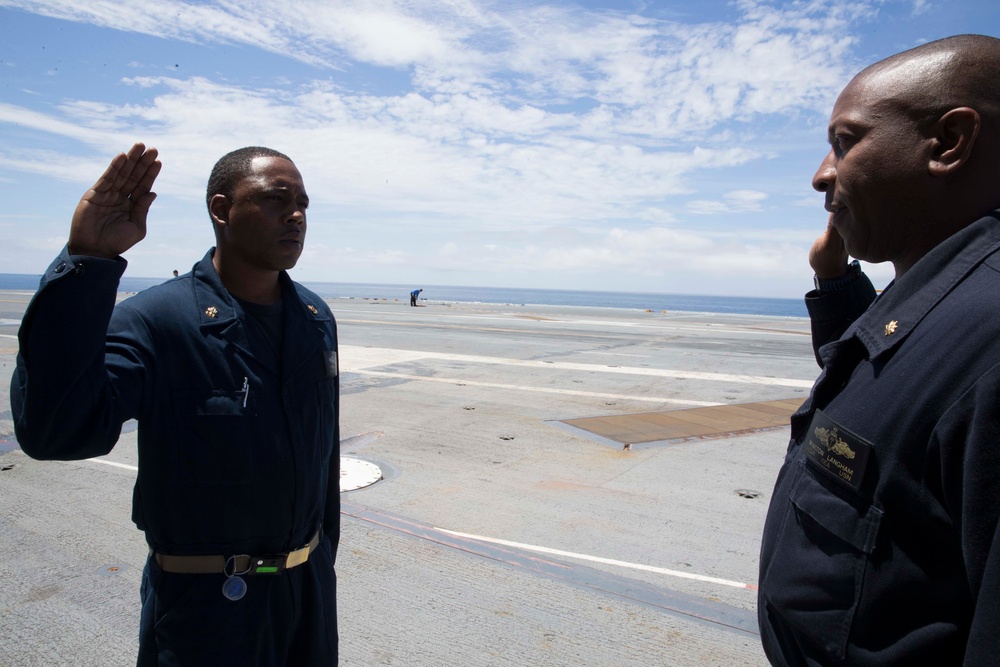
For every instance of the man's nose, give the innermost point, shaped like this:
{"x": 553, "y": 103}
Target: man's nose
{"x": 826, "y": 175}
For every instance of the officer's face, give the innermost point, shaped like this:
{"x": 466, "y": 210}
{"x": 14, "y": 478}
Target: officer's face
{"x": 266, "y": 225}
{"x": 873, "y": 176}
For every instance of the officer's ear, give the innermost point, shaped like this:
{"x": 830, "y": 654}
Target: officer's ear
{"x": 953, "y": 137}
{"x": 218, "y": 208}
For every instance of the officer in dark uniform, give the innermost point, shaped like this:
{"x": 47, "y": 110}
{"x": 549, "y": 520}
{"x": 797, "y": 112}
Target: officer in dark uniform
{"x": 231, "y": 372}
{"x": 881, "y": 545}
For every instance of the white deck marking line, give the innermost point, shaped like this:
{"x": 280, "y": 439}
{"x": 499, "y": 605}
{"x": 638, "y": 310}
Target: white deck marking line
{"x": 355, "y": 358}
{"x": 544, "y": 390}
{"x": 552, "y": 320}
{"x": 606, "y": 561}
{"x": 548, "y": 550}
{"x": 614, "y": 354}
{"x": 115, "y": 464}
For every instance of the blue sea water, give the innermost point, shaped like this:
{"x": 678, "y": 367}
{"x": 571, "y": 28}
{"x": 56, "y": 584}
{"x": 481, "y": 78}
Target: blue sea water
{"x": 630, "y": 300}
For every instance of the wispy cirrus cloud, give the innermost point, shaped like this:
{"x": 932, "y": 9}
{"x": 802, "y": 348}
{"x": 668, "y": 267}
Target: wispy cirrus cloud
{"x": 501, "y": 119}
{"x": 737, "y": 201}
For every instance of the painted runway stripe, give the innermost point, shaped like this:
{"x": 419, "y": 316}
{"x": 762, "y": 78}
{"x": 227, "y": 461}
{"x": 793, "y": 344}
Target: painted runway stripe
{"x": 544, "y": 390}
{"x": 691, "y": 607}
{"x": 113, "y": 464}
{"x": 526, "y": 331}
{"x": 604, "y": 561}
{"x": 537, "y": 549}
{"x": 661, "y": 324}
{"x": 512, "y": 554}
{"x": 355, "y": 358}
{"x": 614, "y": 354}
{"x": 551, "y": 552}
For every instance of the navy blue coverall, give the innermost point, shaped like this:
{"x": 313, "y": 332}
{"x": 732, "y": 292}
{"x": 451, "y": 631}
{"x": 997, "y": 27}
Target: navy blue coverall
{"x": 880, "y": 545}
{"x": 235, "y": 456}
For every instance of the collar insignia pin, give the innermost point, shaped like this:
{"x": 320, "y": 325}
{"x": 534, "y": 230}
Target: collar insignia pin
{"x": 891, "y": 327}
{"x": 312, "y": 309}
{"x": 211, "y": 311}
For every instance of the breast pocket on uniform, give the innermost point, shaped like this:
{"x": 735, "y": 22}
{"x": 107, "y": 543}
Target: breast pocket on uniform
{"x": 815, "y": 576}
{"x": 217, "y": 432}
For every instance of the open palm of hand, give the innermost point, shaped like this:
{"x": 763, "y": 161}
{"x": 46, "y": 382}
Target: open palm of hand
{"x": 111, "y": 216}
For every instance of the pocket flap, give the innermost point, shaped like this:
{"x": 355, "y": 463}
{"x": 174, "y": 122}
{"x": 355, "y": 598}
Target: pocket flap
{"x": 855, "y": 524}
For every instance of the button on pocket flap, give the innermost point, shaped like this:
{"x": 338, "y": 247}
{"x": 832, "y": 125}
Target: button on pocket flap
{"x": 856, "y": 524}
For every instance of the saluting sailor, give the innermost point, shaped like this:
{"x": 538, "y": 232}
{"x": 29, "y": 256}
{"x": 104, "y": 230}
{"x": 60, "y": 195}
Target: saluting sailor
{"x": 231, "y": 372}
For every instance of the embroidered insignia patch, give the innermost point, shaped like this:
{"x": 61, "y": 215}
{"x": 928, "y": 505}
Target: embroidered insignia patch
{"x": 838, "y": 453}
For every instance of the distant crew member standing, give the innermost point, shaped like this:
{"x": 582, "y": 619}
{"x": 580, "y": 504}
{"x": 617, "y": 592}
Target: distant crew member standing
{"x": 413, "y": 296}
{"x": 231, "y": 372}
{"x": 881, "y": 544}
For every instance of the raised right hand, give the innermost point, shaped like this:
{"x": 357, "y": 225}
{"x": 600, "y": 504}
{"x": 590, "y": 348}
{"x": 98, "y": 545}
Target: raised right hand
{"x": 828, "y": 255}
{"x": 111, "y": 216}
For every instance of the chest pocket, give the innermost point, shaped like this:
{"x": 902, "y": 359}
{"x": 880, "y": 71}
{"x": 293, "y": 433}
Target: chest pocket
{"x": 815, "y": 576}
{"x": 217, "y": 438}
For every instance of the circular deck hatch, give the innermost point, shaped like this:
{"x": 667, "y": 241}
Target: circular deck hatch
{"x": 357, "y": 474}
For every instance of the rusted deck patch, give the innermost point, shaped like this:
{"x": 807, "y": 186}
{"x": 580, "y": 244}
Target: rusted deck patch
{"x": 694, "y": 423}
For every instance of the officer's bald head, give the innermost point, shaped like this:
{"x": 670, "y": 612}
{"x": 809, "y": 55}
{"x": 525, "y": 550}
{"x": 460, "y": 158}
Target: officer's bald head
{"x": 948, "y": 93}
{"x": 927, "y": 81}
{"x": 915, "y": 149}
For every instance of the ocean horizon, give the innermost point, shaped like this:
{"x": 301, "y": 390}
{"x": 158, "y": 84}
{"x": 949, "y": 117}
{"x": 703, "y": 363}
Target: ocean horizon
{"x": 654, "y": 301}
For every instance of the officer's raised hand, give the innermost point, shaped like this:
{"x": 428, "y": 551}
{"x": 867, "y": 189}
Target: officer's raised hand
{"x": 111, "y": 216}
{"x": 828, "y": 255}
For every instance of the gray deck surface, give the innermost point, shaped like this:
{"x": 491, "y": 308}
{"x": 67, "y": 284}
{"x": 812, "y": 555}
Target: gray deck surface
{"x": 497, "y": 538}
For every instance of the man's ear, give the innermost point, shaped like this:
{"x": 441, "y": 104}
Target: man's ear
{"x": 218, "y": 208}
{"x": 954, "y": 136}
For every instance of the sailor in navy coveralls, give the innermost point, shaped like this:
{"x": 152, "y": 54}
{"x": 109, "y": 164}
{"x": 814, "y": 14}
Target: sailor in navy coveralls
{"x": 231, "y": 372}
{"x": 880, "y": 545}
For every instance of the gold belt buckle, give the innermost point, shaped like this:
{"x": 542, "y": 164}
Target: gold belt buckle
{"x": 297, "y": 557}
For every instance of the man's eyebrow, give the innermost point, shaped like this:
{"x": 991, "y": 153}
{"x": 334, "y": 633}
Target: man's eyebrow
{"x": 281, "y": 187}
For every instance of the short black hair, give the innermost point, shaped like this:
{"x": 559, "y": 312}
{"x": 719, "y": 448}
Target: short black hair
{"x": 234, "y": 167}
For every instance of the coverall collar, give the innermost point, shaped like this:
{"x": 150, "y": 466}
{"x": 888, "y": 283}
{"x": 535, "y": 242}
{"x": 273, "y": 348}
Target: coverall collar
{"x": 905, "y": 302}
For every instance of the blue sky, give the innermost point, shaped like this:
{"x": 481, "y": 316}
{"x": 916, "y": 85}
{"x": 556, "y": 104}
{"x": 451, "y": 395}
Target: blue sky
{"x": 637, "y": 146}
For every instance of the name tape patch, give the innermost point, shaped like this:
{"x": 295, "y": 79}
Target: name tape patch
{"x": 330, "y": 360}
{"x": 838, "y": 453}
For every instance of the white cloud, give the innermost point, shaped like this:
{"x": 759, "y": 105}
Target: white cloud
{"x": 661, "y": 77}
{"x": 530, "y": 136}
{"x": 378, "y": 36}
{"x": 736, "y": 201}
